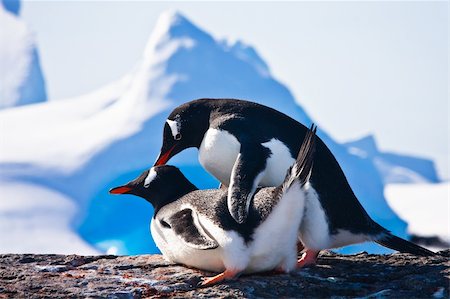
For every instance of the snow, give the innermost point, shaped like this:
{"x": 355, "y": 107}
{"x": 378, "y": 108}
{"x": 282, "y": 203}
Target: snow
{"x": 249, "y": 54}
{"x": 397, "y": 174}
{"x": 357, "y": 152}
{"x": 426, "y": 207}
{"x": 59, "y": 158}
{"x": 165, "y": 38}
{"x": 34, "y": 219}
{"x": 394, "y": 168}
{"x": 21, "y": 77}
{"x": 76, "y": 128}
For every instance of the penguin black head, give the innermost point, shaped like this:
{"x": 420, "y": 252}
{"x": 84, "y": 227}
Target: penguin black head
{"x": 159, "y": 185}
{"x": 184, "y": 128}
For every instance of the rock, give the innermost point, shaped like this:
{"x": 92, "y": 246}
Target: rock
{"x": 335, "y": 276}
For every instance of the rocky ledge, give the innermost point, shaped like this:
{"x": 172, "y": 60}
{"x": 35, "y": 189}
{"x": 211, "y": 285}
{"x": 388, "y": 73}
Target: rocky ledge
{"x": 338, "y": 276}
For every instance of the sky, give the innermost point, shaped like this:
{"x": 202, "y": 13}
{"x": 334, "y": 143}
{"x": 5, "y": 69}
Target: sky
{"x": 357, "y": 68}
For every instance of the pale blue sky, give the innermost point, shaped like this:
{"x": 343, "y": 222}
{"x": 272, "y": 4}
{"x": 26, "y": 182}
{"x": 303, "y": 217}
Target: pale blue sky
{"x": 357, "y": 68}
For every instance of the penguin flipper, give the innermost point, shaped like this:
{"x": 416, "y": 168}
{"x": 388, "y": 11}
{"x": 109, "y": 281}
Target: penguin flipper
{"x": 393, "y": 242}
{"x": 190, "y": 232}
{"x": 246, "y": 174}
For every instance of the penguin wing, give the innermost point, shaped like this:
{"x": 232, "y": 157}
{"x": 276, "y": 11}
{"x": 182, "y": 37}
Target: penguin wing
{"x": 247, "y": 172}
{"x": 190, "y": 231}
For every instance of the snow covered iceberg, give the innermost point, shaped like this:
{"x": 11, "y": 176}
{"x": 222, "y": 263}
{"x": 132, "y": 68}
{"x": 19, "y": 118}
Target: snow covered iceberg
{"x": 21, "y": 79}
{"x": 395, "y": 168}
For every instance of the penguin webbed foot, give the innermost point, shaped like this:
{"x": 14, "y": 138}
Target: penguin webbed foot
{"x": 308, "y": 258}
{"x": 209, "y": 281}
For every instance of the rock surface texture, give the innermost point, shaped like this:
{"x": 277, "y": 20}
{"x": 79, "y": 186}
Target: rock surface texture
{"x": 335, "y": 276}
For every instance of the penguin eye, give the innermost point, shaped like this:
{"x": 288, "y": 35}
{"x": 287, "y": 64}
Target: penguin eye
{"x": 164, "y": 224}
{"x": 178, "y": 136}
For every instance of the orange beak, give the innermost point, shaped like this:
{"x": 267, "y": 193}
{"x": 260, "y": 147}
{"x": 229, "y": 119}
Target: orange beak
{"x": 120, "y": 190}
{"x": 163, "y": 158}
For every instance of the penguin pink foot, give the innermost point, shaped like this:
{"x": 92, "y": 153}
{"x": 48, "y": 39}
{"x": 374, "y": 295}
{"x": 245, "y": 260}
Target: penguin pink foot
{"x": 227, "y": 274}
{"x": 308, "y": 258}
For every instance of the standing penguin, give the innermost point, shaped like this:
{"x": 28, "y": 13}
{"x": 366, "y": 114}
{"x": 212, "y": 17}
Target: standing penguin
{"x": 246, "y": 145}
{"x": 194, "y": 227}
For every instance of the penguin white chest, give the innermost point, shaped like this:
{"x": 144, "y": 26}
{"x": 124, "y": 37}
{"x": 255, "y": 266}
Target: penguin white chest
{"x": 219, "y": 150}
{"x": 218, "y": 153}
{"x": 277, "y": 164}
{"x": 175, "y": 250}
{"x": 275, "y": 240}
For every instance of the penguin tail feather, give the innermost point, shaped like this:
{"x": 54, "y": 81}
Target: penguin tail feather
{"x": 302, "y": 167}
{"x": 393, "y": 242}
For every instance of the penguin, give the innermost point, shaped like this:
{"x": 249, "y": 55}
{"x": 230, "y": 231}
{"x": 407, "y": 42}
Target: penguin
{"x": 194, "y": 227}
{"x": 246, "y": 145}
